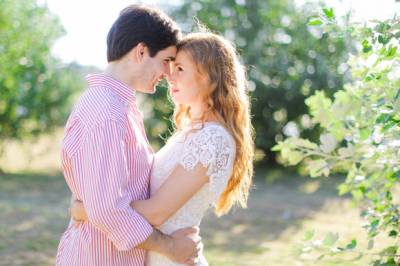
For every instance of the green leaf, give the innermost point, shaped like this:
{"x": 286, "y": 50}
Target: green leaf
{"x": 304, "y": 143}
{"x": 329, "y": 13}
{"x": 383, "y": 118}
{"x": 365, "y": 133}
{"x": 374, "y": 223}
{"x": 330, "y": 239}
{"x": 314, "y": 22}
{"x": 393, "y": 233}
{"x": 389, "y": 125}
{"x": 343, "y": 189}
{"x": 391, "y": 52}
{"x": 396, "y": 174}
{"x": 389, "y": 196}
{"x": 320, "y": 108}
{"x": 383, "y": 39}
{"x": 277, "y": 147}
{"x": 352, "y": 244}
{"x": 397, "y": 95}
{"x": 357, "y": 194}
{"x": 366, "y": 46}
{"x": 295, "y": 157}
{"x": 309, "y": 235}
{"x": 328, "y": 143}
{"x": 318, "y": 168}
{"x": 391, "y": 250}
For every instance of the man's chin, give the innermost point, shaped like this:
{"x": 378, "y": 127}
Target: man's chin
{"x": 150, "y": 90}
{"x": 153, "y": 90}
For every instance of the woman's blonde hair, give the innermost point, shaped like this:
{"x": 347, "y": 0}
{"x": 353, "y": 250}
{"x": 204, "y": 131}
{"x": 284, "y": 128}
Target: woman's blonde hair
{"x": 228, "y": 100}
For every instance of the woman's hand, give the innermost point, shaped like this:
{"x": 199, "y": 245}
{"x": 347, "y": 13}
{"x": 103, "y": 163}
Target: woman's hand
{"x": 77, "y": 211}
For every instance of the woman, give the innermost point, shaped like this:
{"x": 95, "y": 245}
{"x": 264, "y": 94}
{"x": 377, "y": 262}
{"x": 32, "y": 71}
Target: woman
{"x": 208, "y": 161}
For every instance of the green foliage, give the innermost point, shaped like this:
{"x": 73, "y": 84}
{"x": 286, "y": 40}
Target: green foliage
{"x": 360, "y": 131}
{"x": 35, "y": 89}
{"x": 158, "y": 121}
{"x": 287, "y": 60}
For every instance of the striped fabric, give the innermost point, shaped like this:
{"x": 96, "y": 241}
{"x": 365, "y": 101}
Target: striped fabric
{"x": 106, "y": 161}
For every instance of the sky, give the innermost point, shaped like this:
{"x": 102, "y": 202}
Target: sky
{"x": 87, "y": 22}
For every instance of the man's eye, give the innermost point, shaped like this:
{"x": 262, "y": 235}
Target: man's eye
{"x": 180, "y": 69}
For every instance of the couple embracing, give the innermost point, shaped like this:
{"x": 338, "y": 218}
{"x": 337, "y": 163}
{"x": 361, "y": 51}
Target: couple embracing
{"x": 132, "y": 206}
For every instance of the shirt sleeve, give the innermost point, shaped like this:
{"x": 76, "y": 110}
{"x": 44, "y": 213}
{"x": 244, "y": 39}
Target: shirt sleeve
{"x": 101, "y": 175}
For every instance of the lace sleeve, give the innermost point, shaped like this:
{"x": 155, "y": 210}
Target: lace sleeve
{"x": 214, "y": 148}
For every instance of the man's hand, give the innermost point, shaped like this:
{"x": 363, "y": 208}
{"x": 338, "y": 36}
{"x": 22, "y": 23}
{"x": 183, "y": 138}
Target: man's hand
{"x": 186, "y": 246}
{"x": 77, "y": 211}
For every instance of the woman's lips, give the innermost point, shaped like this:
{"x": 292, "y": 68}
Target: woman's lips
{"x": 174, "y": 90}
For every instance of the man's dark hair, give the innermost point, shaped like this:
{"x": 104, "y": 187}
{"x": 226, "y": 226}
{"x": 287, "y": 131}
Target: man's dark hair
{"x": 139, "y": 23}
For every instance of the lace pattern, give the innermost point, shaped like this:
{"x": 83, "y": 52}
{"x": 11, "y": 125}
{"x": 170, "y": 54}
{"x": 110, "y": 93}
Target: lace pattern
{"x": 212, "y": 147}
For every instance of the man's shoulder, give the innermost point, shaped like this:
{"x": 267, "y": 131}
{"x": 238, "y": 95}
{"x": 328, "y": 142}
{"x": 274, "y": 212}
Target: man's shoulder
{"x": 99, "y": 104}
{"x": 95, "y": 107}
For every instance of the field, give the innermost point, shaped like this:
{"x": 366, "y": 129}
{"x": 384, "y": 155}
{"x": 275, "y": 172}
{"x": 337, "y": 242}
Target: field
{"x": 282, "y": 207}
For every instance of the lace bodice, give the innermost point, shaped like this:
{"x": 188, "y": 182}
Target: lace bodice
{"x": 214, "y": 148}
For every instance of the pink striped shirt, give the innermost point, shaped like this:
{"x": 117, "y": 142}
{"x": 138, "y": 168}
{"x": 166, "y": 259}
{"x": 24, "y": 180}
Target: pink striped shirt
{"x": 106, "y": 161}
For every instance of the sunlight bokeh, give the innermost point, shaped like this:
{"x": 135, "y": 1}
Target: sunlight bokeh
{"x": 87, "y": 22}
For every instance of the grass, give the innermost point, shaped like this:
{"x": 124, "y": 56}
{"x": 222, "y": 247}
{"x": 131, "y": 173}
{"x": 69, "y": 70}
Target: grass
{"x": 34, "y": 215}
{"x": 282, "y": 208}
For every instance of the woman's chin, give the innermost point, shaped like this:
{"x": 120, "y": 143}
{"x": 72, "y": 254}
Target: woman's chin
{"x": 175, "y": 101}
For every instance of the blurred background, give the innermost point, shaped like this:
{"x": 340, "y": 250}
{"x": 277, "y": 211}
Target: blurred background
{"x": 48, "y": 47}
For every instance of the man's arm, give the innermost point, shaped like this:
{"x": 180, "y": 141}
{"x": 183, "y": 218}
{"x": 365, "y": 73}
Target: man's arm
{"x": 161, "y": 205}
{"x": 101, "y": 173}
{"x": 181, "y": 246}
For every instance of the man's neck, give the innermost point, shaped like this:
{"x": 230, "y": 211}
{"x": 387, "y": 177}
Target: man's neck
{"x": 117, "y": 71}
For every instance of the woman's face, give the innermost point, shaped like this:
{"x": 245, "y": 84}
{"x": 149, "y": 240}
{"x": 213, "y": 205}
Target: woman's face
{"x": 188, "y": 86}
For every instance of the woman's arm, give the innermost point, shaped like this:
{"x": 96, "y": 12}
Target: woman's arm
{"x": 179, "y": 187}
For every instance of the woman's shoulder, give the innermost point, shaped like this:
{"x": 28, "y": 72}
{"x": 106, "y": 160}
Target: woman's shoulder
{"x": 211, "y": 144}
{"x": 210, "y": 133}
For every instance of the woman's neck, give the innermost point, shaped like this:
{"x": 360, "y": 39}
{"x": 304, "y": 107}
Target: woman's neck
{"x": 202, "y": 114}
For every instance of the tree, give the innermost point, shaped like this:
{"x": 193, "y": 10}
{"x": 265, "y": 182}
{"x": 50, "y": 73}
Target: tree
{"x": 360, "y": 132}
{"x": 35, "y": 88}
{"x": 287, "y": 60}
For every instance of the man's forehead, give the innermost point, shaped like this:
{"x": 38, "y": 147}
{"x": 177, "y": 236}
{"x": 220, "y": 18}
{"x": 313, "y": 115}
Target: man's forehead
{"x": 169, "y": 52}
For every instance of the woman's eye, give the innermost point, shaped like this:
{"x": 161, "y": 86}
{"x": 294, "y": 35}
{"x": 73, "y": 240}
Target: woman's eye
{"x": 180, "y": 68}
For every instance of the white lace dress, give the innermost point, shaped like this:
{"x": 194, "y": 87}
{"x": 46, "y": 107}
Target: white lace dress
{"x": 214, "y": 148}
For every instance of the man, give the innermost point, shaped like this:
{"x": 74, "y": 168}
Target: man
{"x": 106, "y": 158}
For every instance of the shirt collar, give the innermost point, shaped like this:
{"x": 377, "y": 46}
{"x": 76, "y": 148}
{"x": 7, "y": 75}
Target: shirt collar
{"x": 125, "y": 92}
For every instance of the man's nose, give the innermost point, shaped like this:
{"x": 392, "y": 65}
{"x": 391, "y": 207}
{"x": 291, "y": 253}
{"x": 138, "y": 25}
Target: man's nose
{"x": 167, "y": 69}
{"x": 172, "y": 77}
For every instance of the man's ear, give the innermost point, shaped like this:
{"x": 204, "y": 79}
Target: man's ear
{"x": 139, "y": 52}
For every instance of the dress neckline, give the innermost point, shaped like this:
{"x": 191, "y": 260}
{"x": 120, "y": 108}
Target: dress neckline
{"x": 194, "y": 125}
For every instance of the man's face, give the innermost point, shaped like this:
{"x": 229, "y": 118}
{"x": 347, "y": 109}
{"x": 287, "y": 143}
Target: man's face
{"x": 154, "y": 69}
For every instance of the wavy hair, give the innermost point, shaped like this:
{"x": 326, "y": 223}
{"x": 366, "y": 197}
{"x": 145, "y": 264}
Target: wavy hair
{"x": 217, "y": 58}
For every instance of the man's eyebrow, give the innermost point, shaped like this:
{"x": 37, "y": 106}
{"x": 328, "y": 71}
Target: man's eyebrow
{"x": 171, "y": 58}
